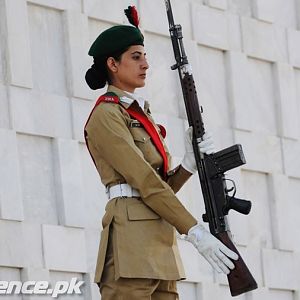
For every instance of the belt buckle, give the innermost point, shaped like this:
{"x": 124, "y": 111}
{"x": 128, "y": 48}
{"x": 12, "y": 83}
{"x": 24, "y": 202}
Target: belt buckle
{"x": 123, "y": 190}
{"x": 126, "y": 190}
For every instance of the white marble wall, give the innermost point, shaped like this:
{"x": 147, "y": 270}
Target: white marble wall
{"x": 246, "y": 60}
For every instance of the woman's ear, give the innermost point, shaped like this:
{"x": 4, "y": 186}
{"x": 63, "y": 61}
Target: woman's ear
{"x": 111, "y": 64}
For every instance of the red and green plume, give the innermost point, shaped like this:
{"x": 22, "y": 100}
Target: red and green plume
{"x": 132, "y": 16}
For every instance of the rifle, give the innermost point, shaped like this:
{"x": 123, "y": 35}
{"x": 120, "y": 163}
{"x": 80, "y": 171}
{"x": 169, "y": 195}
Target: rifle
{"x": 211, "y": 168}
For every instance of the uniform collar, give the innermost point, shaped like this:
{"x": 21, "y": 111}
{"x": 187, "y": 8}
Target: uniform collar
{"x": 140, "y": 100}
{"x": 128, "y": 98}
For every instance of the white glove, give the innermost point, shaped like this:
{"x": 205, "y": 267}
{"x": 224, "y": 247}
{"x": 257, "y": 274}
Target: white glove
{"x": 206, "y": 146}
{"x": 214, "y": 251}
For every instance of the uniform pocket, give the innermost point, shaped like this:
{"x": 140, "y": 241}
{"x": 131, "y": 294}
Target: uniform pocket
{"x": 140, "y": 135}
{"x": 143, "y": 141}
{"x": 140, "y": 211}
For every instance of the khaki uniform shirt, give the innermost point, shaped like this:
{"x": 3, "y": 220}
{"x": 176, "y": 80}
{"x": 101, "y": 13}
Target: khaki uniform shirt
{"x": 144, "y": 240}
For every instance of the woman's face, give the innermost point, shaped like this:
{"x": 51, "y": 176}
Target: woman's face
{"x": 130, "y": 72}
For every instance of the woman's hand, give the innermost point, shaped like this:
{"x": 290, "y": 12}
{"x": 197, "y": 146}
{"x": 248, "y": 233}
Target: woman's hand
{"x": 215, "y": 252}
{"x": 206, "y": 146}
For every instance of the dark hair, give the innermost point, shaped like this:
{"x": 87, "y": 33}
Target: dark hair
{"x": 97, "y": 75}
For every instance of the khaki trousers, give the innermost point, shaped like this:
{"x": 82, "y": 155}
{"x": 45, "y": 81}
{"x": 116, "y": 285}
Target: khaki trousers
{"x": 133, "y": 288}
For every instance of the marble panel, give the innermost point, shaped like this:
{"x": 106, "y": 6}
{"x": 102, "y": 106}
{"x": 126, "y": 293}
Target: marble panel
{"x": 264, "y": 110}
{"x": 281, "y": 12}
{"x": 77, "y": 46}
{"x": 68, "y": 183}
{"x": 288, "y": 264}
{"x": 263, "y": 40}
{"x": 19, "y": 65}
{"x": 11, "y": 204}
{"x": 64, "y": 249}
{"x": 210, "y": 27}
{"x": 288, "y": 104}
{"x": 293, "y": 43}
{"x": 48, "y": 50}
{"x": 94, "y": 191}
{"x": 11, "y": 251}
{"x": 38, "y": 182}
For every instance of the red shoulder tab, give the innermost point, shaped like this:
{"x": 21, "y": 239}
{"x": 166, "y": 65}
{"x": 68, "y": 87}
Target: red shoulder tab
{"x": 108, "y": 98}
{"x": 163, "y": 130}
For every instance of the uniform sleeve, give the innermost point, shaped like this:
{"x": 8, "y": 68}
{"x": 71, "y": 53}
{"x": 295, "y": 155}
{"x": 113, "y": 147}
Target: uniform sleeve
{"x": 177, "y": 178}
{"x": 110, "y": 136}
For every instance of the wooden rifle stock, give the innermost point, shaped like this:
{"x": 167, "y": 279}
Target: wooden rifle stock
{"x": 240, "y": 279}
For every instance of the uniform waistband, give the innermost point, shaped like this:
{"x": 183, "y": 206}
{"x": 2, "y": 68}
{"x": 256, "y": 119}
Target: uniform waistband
{"x": 121, "y": 190}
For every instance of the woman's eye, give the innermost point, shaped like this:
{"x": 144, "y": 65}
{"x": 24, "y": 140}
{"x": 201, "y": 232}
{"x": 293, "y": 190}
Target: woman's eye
{"x": 135, "y": 57}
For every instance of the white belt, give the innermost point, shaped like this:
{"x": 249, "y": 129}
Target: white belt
{"x": 121, "y": 190}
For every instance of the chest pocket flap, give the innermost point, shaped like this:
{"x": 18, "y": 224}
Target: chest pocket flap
{"x": 139, "y": 134}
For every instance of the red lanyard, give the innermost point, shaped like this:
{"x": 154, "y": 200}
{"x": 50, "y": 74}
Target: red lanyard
{"x": 143, "y": 119}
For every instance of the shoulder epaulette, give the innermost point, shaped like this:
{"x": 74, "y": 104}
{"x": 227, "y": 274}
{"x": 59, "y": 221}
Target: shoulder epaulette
{"x": 108, "y": 97}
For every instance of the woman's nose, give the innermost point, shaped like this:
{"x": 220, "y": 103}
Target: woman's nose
{"x": 145, "y": 65}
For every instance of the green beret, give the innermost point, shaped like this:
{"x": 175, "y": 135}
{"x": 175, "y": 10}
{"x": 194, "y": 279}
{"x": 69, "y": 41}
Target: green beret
{"x": 115, "y": 39}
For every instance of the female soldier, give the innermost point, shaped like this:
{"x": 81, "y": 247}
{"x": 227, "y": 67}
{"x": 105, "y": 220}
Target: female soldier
{"x": 138, "y": 256}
